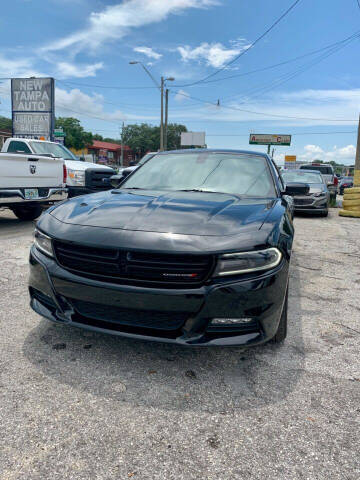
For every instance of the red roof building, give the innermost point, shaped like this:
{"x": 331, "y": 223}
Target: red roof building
{"x": 110, "y": 153}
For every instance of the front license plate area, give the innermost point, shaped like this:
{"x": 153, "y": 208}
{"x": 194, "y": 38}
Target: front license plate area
{"x": 31, "y": 193}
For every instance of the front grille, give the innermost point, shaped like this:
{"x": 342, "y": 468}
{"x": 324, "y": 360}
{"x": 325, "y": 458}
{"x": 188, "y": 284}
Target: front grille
{"x": 94, "y": 179}
{"x": 303, "y": 201}
{"x": 132, "y": 318}
{"x": 127, "y": 267}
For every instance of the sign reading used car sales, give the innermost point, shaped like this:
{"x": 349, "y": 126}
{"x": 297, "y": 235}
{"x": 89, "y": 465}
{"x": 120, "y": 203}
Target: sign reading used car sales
{"x": 265, "y": 139}
{"x": 32, "y": 101}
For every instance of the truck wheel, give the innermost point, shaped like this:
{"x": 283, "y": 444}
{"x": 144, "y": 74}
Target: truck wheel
{"x": 27, "y": 213}
{"x": 281, "y": 333}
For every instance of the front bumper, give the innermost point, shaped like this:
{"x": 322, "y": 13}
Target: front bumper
{"x": 309, "y": 203}
{"x": 180, "y": 316}
{"x": 11, "y": 196}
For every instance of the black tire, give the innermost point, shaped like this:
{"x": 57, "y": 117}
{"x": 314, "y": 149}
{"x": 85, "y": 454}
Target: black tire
{"x": 27, "y": 213}
{"x": 281, "y": 333}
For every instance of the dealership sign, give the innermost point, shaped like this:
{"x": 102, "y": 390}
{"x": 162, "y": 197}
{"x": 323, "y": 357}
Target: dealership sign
{"x": 264, "y": 139}
{"x": 32, "y": 102}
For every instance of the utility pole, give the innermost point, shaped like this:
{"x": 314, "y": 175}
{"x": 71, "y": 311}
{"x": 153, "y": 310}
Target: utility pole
{"x": 357, "y": 160}
{"x": 268, "y": 152}
{"x": 162, "y": 115}
{"x": 161, "y": 88}
{"x": 166, "y": 117}
{"x": 122, "y": 146}
{"x": 351, "y": 201}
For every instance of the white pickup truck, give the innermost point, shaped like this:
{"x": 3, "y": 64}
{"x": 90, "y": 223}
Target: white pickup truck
{"x": 82, "y": 177}
{"x": 29, "y": 182}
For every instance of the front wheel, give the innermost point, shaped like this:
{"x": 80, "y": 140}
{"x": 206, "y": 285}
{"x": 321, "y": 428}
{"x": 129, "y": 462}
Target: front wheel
{"x": 27, "y": 213}
{"x": 281, "y": 332}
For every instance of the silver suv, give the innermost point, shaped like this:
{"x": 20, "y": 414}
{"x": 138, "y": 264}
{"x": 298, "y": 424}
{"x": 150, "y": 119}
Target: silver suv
{"x": 328, "y": 174}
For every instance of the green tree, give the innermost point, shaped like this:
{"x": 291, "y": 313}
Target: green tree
{"x": 144, "y": 137}
{"x": 5, "y": 123}
{"x": 75, "y": 135}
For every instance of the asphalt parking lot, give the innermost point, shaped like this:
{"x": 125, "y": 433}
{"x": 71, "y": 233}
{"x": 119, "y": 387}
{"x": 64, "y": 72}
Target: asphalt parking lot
{"x": 80, "y": 405}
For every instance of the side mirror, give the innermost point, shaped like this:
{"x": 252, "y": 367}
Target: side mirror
{"x": 297, "y": 189}
{"x": 115, "y": 180}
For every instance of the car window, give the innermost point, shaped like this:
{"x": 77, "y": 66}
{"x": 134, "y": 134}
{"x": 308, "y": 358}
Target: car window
{"x": 18, "y": 147}
{"x": 53, "y": 149}
{"x": 302, "y": 177}
{"x": 236, "y": 173}
{"x": 278, "y": 175}
{"x": 319, "y": 168}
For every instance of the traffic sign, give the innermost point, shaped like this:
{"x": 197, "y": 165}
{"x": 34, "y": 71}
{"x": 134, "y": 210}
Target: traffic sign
{"x": 265, "y": 139}
{"x": 58, "y": 132}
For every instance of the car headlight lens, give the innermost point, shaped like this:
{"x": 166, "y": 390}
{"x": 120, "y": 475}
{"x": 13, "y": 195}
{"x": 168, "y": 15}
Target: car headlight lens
{"x": 319, "y": 194}
{"x": 247, "y": 262}
{"x": 77, "y": 176}
{"x": 43, "y": 243}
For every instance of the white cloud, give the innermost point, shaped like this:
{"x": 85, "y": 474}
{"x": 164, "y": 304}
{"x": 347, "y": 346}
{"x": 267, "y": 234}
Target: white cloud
{"x": 149, "y": 52}
{"x": 77, "y": 104}
{"x": 115, "y": 21}
{"x": 181, "y": 96}
{"x": 344, "y": 154}
{"x": 71, "y": 70}
{"x": 20, "y": 67}
{"x": 215, "y": 54}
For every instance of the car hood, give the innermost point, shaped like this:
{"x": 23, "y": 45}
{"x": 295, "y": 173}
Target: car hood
{"x": 317, "y": 188}
{"x": 74, "y": 165}
{"x": 189, "y": 213}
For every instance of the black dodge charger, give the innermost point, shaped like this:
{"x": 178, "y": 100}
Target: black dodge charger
{"x": 193, "y": 248}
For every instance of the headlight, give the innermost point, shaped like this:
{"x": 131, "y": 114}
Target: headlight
{"x": 319, "y": 194}
{"x": 247, "y": 262}
{"x": 43, "y": 243}
{"x": 77, "y": 176}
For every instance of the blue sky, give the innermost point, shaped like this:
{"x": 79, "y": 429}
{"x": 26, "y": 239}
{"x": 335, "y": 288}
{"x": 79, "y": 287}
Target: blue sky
{"x": 87, "y": 45}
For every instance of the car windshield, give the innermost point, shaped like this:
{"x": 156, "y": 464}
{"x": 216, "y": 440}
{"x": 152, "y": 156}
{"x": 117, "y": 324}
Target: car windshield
{"x": 145, "y": 158}
{"x": 232, "y": 173}
{"x": 302, "y": 177}
{"x": 320, "y": 168}
{"x": 54, "y": 149}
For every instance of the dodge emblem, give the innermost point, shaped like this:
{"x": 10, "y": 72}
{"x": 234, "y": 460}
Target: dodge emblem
{"x": 32, "y": 169}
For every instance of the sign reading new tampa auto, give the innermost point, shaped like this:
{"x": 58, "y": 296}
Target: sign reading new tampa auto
{"x": 33, "y": 107}
{"x": 264, "y": 139}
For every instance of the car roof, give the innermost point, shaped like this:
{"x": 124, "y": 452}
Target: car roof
{"x": 298, "y": 170}
{"x": 215, "y": 150}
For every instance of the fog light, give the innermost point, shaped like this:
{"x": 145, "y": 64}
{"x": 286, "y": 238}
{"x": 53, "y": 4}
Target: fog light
{"x": 230, "y": 321}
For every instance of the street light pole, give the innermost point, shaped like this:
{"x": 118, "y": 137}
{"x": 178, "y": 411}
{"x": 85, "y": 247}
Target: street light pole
{"x": 122, "y": 146}
{"x": 162, "y": 116}
{"x": 166, "y": 117}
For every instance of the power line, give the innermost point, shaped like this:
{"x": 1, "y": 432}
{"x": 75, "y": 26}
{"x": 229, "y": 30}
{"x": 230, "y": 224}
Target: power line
{"x": 290, "y": 75}
{"x": 108, "y": 86}
{"x": 293, "y": 5}
{"x": 293, "y": 134}
{"x": 285, "y": 62}
{"x": 268, "y": 114}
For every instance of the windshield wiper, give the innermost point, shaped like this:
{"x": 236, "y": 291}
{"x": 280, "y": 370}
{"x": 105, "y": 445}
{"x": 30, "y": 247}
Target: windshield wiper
{"x": 196, "y": 190}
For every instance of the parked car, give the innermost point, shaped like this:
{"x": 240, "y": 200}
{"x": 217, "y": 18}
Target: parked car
{"x": 345, "y": 182}
{"x": 82, "y": 177}
{"x": 317, "y": 199}
{"x": 116, "y": 179}
{"x": 29, "y": 183}
{"x": 328, "y": 173}
{"x": 193, "y": 248}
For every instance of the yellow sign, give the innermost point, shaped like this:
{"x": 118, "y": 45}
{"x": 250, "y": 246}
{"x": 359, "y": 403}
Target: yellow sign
{"x": 290, "y": 158}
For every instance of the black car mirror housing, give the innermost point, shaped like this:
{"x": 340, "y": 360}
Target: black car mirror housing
{"x": 297, "y": 189}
